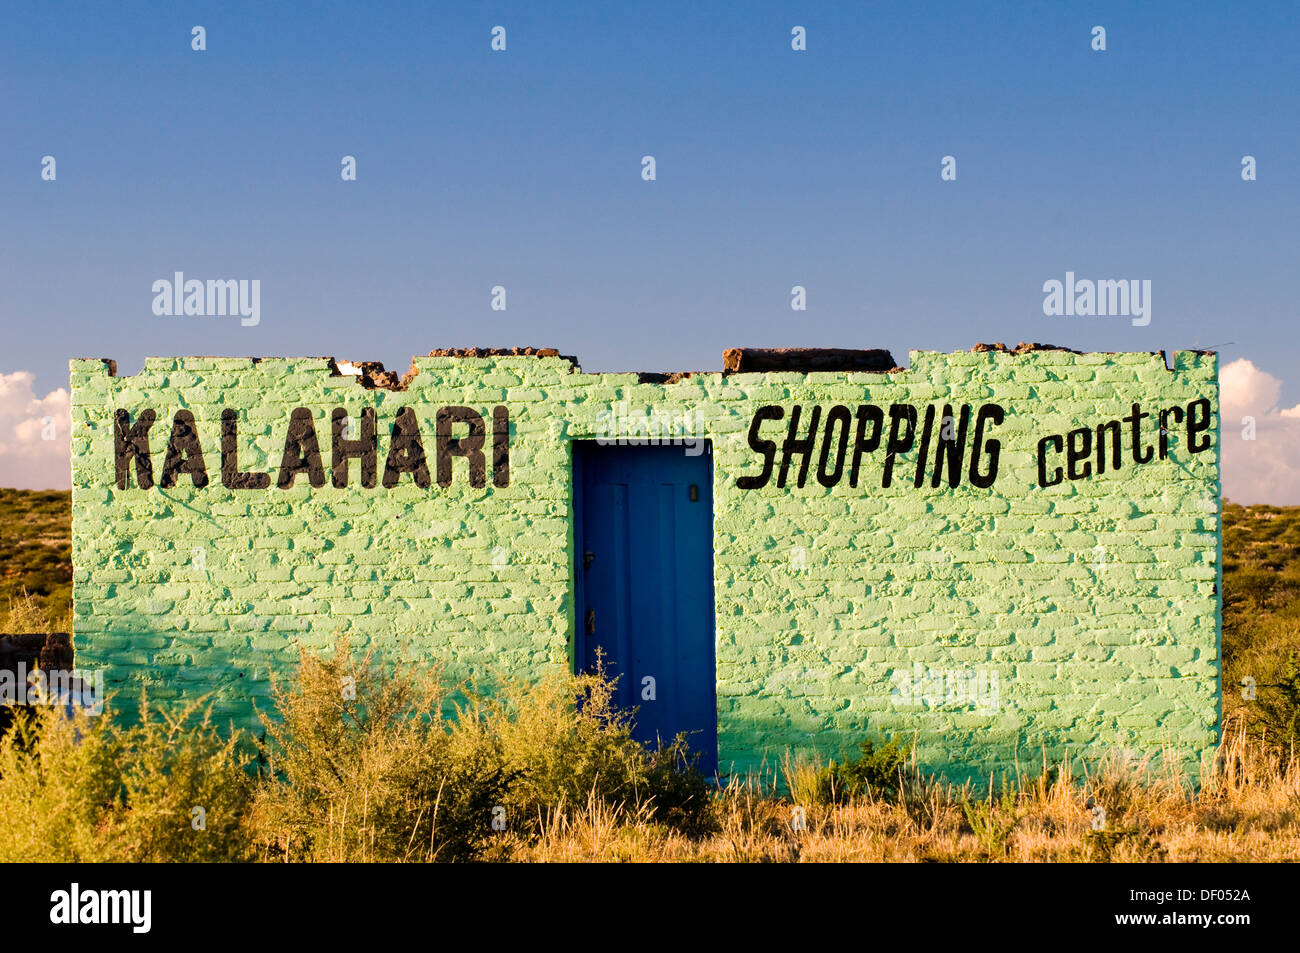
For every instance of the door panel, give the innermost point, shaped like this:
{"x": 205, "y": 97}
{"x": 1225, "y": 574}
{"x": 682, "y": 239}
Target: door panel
{"x": 645, "y": 585}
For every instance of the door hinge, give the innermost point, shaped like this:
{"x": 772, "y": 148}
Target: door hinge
{"x": 591, "y": 621}
{"x": 587, "y": 557}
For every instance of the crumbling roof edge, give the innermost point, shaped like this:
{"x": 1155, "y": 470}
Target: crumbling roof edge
{"x": 373, "y": 375}
{"x": 1024, "y": 347}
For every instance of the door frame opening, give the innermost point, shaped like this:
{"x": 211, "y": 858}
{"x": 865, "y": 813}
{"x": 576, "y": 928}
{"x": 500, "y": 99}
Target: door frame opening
{"x": 579, "y": 560}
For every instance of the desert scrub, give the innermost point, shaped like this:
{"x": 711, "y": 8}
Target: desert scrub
{"x": 1261, "y": 622}
{"x": 569, "y": 746}
{"x": 677, "y": 794}
{"x": 36, "y": 558}
{"x": 877, "y": 772}
{"x": 372, "y": 761}
{"x": 992, "y": 819}
{"x": 362, "y": 765}
{"x": 26, "y": 614}
{"x": 87, "y": 789}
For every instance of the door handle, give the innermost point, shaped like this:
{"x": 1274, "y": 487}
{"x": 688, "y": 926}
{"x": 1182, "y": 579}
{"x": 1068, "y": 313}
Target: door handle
{"x": 591, "y": 621}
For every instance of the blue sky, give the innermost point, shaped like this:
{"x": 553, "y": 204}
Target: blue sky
{"x": 522, "y": 168}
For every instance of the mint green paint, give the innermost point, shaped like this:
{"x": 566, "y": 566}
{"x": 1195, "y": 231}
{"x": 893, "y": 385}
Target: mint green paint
{"x": 189, "y": 591}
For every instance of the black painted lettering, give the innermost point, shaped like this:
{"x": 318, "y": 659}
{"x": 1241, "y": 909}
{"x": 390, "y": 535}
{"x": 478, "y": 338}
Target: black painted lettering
{"x": 861, "y": 444}
{"x": 366, "y": 448}
{"x": 767, "y": 448}
{"x": 1198, "y": 422}
{"x": 898, "y": 413}
{"x": 301, "y": 451}
{"x": 406, "y": 452}
{"x": 1177, "y": 413}
{"x": 132, "y": 441}
{"x": 921, "y": 456}
{"x": 839, "y": 415}
{"x": 954, "y": 450}
{"x": 1135, "y": 421}
{"x": 500, "y": 446}
{"x": 1078, "y": 452}
{"x": 1057, "y": 475}
{"x": 231, "y": 478}
{"x": 1115, "y": 441}
{"x": 184, "y": 454}
{"x": 994, "y": 414}
{"x": 470, "y": 446}
{"x": 801, "y": 445}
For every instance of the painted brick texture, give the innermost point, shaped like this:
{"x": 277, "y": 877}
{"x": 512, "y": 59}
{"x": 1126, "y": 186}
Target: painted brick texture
{"x": 986, "y": 624}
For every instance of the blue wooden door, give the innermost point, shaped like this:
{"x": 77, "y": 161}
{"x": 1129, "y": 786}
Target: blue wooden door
{"x": 645, "y": 585}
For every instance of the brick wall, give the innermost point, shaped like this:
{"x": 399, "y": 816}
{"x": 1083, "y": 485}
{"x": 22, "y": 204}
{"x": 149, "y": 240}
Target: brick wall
{"x": 987, "y": 622}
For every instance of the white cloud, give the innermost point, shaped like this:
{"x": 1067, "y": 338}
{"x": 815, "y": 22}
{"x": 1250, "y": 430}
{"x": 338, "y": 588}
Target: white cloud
{"x": 30, "y": 460}
{"x": 1266, "y": 469}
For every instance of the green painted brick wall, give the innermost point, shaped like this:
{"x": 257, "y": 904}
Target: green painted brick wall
{"x": 987, "y": 625}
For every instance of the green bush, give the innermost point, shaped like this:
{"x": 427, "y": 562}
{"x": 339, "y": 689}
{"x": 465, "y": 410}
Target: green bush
{"x": 876, "y": 773}
{"x": 677, "y": 793}
{"x": 364, "y": 767}
{"x": 1279, "y": 706}
{"x": 91, "y": 790}
{"x": 992, "y": 820}
{"x": 375, "y": 762}
{"x": 567, "y": 743}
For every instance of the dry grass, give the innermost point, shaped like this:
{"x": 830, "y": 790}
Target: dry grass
{"x": 1248, "y": 812}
